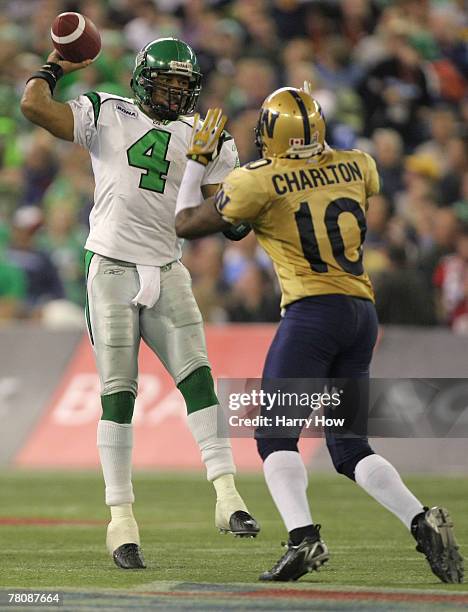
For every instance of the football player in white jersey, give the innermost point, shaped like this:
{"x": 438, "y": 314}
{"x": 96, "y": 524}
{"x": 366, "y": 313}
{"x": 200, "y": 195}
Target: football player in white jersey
{"x": 136, "y": 285}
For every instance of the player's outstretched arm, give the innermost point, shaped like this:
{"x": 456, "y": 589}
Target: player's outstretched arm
{"x": 199, "y": 221}
{"x": 37, "y": 103}
{"x": 195, "y": 219}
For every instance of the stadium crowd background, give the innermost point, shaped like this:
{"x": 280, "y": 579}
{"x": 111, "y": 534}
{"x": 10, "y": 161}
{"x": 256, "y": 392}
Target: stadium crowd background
{"x": 391, "y": 78}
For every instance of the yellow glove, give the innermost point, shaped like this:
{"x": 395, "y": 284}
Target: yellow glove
{"x": 204, "y": 141}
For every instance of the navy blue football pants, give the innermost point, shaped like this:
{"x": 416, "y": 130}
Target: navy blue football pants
{"x": 328, "y": 336}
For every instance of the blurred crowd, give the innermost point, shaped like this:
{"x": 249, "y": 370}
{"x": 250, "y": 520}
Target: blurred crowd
{"x": 391, "y": 77}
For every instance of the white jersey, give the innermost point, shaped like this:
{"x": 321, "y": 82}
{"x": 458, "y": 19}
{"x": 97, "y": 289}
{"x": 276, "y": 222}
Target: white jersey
{"x": 138, "y": 165}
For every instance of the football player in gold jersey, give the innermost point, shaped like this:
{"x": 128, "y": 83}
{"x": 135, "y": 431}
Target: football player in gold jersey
{"x": 307, "y": 206}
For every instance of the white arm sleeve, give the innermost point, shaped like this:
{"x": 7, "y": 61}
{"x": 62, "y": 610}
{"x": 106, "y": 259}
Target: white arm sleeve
{"x": 224, "y": 163}
{"x": 189, "y": 192}
{"x": 85, "y": 128}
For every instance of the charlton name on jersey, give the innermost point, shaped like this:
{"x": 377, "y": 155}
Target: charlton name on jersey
{"x": 309, "y": 178}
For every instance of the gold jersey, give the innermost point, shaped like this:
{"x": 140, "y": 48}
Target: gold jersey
{"x": 309, "y": 215}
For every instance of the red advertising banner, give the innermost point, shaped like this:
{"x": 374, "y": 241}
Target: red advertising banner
{"x": 66, "y": 434}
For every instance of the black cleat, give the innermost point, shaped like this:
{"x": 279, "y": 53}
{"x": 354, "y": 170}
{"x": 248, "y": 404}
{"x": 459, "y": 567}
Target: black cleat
{"x": 129, "y": 556}
{"x": 242, "y": 525}
{"x": 307, "y": 556}
{"x": 433, "y": 531}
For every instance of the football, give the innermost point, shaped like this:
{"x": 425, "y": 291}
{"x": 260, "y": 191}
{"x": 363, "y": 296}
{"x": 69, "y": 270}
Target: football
{"x": 75, "y": 37}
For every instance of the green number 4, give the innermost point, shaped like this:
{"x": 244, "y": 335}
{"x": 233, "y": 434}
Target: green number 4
{"x": 149, "y": 154}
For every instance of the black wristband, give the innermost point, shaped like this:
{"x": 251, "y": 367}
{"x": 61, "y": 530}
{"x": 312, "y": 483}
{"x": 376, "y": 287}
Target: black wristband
{"x": 237, "y": 232}
{"x": 50, "y": 72}
{"x": 46, "y": 76}
{"x": 55, "y": 69}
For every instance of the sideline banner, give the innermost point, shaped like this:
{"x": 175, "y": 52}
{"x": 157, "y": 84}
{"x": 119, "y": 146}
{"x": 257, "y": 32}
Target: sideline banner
{"x": 32, "y": 361}
{"x": 65, "y": 436}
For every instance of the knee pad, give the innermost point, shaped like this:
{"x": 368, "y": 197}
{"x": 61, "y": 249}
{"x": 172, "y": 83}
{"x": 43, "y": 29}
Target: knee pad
{"x": 198, "y": 390}
{"x": 120, "y": 385}
{"x": 267, "y": 446}
{"x": 118, "y": 407}
{"x": 346, "y": 453}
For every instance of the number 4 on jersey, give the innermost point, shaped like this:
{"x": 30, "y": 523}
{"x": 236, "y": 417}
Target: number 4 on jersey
{"x": 149, "y": 154}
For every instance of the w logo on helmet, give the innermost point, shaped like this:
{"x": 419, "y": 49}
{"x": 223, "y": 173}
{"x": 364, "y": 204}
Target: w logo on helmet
{"x": 267, "y": 122}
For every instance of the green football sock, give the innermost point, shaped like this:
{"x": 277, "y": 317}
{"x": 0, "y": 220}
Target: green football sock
{"x": 118, "y": 407}
{"x": 198, "y": 390}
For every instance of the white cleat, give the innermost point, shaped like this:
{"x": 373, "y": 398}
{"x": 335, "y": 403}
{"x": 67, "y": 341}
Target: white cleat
{"x": 122, "y": 531}
{"x": 123, "y": 543}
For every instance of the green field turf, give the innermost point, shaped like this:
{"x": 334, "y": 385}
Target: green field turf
{"x": 370, "y": 549}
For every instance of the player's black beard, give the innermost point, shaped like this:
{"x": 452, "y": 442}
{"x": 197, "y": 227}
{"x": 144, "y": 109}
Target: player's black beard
{"x": 174, "y": 105}
{"x": 160, "y": 112}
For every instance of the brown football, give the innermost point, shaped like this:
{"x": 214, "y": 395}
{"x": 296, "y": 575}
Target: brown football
{"x": 75, "y": 37}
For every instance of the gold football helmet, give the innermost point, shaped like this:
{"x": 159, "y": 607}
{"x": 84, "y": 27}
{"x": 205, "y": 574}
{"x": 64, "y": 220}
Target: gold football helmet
{"x": 291, "y": 124}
